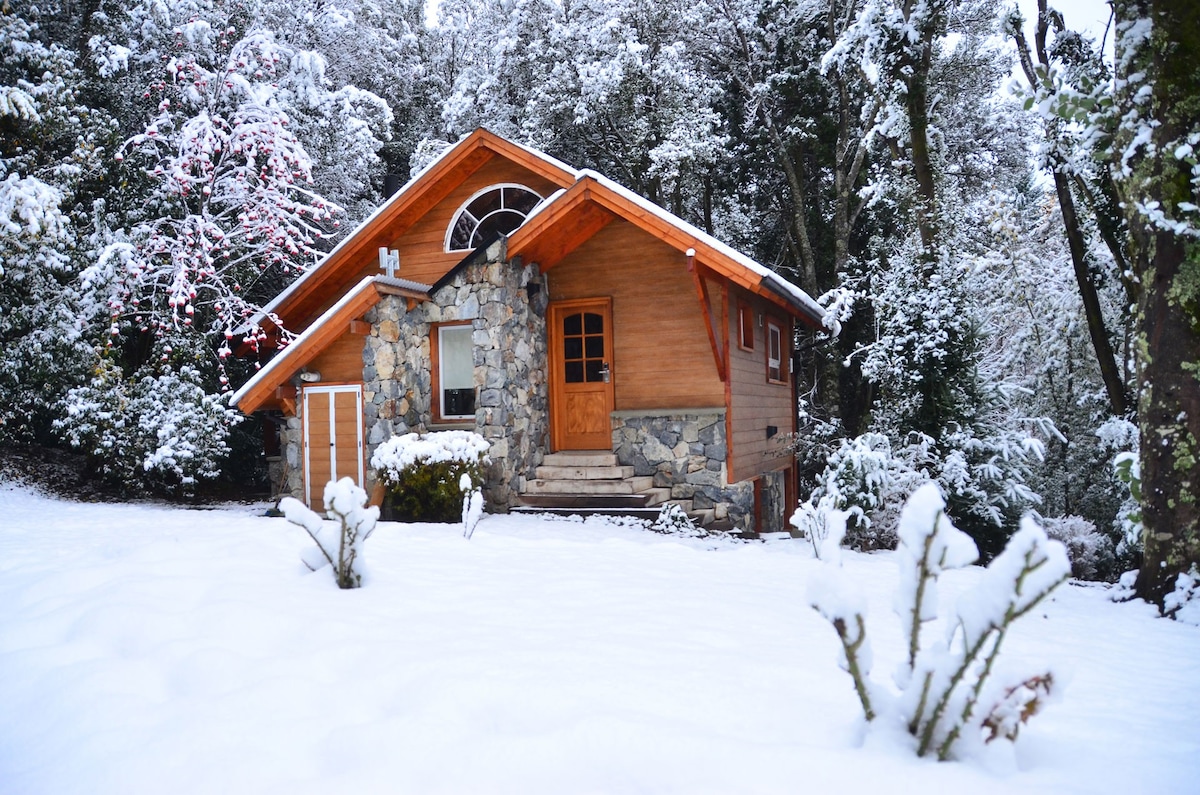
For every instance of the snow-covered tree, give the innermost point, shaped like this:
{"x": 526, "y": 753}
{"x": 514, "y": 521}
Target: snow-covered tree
{"x": 51, "y": 145}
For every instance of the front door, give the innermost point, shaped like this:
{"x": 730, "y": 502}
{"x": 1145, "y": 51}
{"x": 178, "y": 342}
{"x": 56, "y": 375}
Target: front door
{"x": 581, "y": 378}
{"x": 333, "y": 449}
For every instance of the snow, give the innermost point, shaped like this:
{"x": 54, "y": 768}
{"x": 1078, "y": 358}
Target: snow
{"x": 154, "y": 649}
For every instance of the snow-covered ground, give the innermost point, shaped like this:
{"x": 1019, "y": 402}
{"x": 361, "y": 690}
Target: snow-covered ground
{"x": 146, "y": 649}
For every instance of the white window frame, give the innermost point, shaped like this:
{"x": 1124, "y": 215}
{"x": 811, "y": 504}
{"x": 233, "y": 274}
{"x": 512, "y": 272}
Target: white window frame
{"x": 774, "y": 363}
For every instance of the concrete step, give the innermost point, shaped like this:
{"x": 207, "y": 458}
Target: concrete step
{"x": 584, "y": 472}
{"x": 658, "y": 496}
{"x": 629, "y": 486}
{"x": 582, "y": 458}
{"x": 568, "y": 503}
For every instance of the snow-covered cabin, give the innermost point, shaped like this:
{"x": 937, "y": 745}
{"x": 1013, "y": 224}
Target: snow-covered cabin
{"x": 610, "y": 352}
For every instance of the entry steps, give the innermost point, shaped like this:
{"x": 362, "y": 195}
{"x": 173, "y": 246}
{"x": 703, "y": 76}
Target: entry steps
{"x": 591, "y": 481}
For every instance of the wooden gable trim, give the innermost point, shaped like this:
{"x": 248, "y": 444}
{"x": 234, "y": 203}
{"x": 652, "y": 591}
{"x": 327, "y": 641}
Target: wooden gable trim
{"x": 271, "y": 387}
{"x": 398, "y": 214}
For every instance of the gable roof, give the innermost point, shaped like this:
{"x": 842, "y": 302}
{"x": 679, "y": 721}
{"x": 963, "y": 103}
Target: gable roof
{"x": 585, "y": 203}
{"x": 567, "y": 219}
{"x": 405, "y": 207}
{"x": 260, "y": 391}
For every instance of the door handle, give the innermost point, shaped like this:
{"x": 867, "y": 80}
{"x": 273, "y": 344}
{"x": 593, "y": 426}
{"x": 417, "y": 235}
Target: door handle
{"x": 605, "y": 373}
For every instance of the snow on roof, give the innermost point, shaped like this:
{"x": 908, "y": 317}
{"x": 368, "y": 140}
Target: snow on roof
{"x": 778, "y": 283}
{"x": 277, "y": 362}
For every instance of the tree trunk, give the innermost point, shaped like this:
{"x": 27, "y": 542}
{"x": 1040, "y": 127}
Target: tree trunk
{"x": 1114, "y": 382}
{"x": 1165, "y": 247}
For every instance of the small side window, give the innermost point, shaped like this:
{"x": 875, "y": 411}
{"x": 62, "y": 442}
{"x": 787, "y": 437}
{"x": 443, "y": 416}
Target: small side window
{"x": 745, "y": 327}
{"x": 455, "y": 376}
{"x": 774, "y": 352}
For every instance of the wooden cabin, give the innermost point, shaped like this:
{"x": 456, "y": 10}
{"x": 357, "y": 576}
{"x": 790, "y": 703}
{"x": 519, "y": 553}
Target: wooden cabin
{"x": 610, "y": 352}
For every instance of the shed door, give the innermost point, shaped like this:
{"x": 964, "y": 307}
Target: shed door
{"x": 333, "y": 439}
{"x": 581, "y": 380}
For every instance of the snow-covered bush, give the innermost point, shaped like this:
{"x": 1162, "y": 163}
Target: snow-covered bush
{"x": 421, "y": 473}
{"x": 159, "y": 432}
{"x": 952, "y": 693}
{"x": 1183, "y": 603}
{"x": 338, "y": 546}
{"x": 1091, "y": 552}
{"x": 866, "y": 481}
{"x": 673, "y": 520}
{"x": 823, "y": 525}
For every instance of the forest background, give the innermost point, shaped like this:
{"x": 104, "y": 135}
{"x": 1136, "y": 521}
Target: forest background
{"x": 1000, "y": 219}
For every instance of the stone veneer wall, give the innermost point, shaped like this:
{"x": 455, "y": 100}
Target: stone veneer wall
{"x": 685, "y": 451}
{"x": 775, "y": 514}
{"x": 507, "y": 306}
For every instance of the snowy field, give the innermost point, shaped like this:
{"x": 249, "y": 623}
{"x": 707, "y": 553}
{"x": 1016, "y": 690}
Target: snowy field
{"x": 146, "y": 649}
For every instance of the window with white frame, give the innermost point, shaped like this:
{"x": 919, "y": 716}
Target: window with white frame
{"x": 496, "y": 210}
{"x": 774, "y": 352}
{"x": 455, "y": 377}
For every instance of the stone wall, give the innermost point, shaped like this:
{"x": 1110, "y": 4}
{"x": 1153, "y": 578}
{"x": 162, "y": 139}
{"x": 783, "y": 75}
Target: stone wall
{"x": 684, "y": 451}
{"x": 507, "y": 306}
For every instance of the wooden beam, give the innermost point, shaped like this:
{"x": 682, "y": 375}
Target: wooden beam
{"x": 709, "y": 321}
{"x": 360, "y": 327}
{"x": 285, "y": 392}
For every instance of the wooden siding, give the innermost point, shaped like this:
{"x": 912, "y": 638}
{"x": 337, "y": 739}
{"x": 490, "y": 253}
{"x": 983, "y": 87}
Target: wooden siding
{"x": 341, "y": 360}
{"x": 755, "y": 402}
{"x": 662, "y": 357}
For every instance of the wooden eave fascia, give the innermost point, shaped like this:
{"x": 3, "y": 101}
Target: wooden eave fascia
{"x": 408, "y": 206}
{"x": 315, "y": 340}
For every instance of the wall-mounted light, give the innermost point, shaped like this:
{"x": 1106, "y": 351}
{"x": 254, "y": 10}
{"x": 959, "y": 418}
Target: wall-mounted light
{"x": 760, "y": 319}
{"x": 310, "y": 376}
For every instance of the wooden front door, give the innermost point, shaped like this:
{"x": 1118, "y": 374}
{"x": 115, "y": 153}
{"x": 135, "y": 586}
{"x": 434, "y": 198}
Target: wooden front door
{"x": 333, "y": 439}
{"x": 581, "y": 377}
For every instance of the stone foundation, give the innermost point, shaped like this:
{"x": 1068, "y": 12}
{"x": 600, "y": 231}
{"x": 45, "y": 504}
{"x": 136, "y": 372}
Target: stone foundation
{"x": 684, "y": 451}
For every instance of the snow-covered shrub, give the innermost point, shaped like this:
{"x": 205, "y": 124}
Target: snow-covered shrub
{"x": 952, "y": 693}
{"x": 864, "y": 479}
{"x": 472, "y": 505}
{"x": 1091, "y": 552}
{"x": 673, "y": 520}
{"x": 823, "y": 525}
{"x": 338, "y": 546}
{"x": 1183, "y": 603}
{"x": 421, "y": 473}
{"x": 160, "y": 432}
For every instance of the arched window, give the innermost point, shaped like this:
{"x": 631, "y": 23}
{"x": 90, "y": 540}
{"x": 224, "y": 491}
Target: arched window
{"x": 498, "y": 209}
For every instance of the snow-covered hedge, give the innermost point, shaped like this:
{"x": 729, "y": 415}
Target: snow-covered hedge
{"x": 422, "y": 473}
